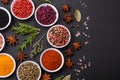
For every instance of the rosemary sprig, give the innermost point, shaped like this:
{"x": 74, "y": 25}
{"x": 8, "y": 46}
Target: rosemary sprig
{"x": 37, "y": 47}
{"x": 25, "y": 29}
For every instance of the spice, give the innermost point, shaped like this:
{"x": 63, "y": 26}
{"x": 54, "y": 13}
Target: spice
{"x": 58, "y": 36}
{"x": 21, "y": 56}
{"x": 68, "y": 63}
{"x": 12, "y": 39}
{"x": 28, "y": 71}
{"x": 51, "y": 60}
{"x": 68, "y": 18}
{"x": 68, "y": 77}
{"x": 6, "y": 65}
{"x": 66, "y": 7}
{"x": 4, "y": 18}
{"x": 1, "y": 41}
{"x": 77, "y": 15}
{"x": 5, "y": 2}
{"x": 76, "y": 45}
{"x": 69, "y": 52}
{"x": 46, "y": 76}
{"x": 22, "y": 8}
{"x": 46, "y": 15}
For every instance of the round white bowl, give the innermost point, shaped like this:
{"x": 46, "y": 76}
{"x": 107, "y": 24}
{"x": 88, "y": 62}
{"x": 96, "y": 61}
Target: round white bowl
{"x": 19, "y": 17}
{"x": 54, "y": 8}
{"x": 3, "y": 42}
{"x": 13, "y": 68}
{"x": 57, "y": 68}
{"x": 55, "y": 45}
{"x": 9, "y": 15}
{"x": 30, "y": 62}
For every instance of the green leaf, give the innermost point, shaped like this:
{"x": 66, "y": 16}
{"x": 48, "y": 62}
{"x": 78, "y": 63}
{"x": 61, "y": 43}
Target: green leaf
{"x": 59, "y": 78}
{"x": 68, "y": 77}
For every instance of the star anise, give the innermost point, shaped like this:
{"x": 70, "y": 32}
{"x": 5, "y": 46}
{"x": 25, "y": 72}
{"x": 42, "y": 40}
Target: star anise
{"x": 46, "y": 77}
{"x": 69, "y": 52}
{"x": 12, "y": 39}
{"x": 68, "y": 17}
{"x": 21, "y": 56}
{"x": 76, "y": 45}
{"x": 69, "y": 63}
{"x": 66, "y": 7}
{"x": 5, "y": 1}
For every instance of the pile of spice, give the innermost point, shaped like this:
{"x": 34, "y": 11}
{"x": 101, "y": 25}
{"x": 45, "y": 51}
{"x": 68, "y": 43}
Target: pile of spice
{"x": 22, "y": 8}
{"x": 4, "y": 18}
{"x": 51, "y": 60}
{"x": 58, "y": 36}
{"x": 28, "y": 71}
{"x": 6, "y": 65}
{"x": 46, "y": 15}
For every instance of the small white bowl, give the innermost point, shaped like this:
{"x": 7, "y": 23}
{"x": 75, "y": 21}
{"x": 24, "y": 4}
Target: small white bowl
{"x": 13, "y": 68}
{"x": 57, "y": 68}
{"x": 9, "y": 15}
{"x": 19, "y": 17}
{"x": 29, "y": 62}
{"x": 54, "y": 8}
{"x": 3, "y": 42}
{"x": 55, "y": 45}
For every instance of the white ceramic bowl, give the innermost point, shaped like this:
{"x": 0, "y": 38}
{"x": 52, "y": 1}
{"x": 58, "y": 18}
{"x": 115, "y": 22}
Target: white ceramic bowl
{"x": 3, "y": 42}
{"x": 9, "y": 15}
{"x": 57, "y": 68}
{"x": 54, "y": 8}
{"x": 13, "y": 68}
{"x": 30, "y": 62}
{"x": 55, "y": 45}
{"x": 19, "y": 17}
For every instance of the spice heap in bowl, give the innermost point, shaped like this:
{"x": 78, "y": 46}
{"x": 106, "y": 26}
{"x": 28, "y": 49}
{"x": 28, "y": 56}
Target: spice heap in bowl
{"x": 28, "y": 70}
{"x": 22, "y": 9}
{"x": 46, "y": 15}
{"x": 51, "y": 60}
{"x": 2, "y": 42}
{"x": 58, "y": 36}
{"x": 5, "y": 18}
{"x": 7, "y": 65}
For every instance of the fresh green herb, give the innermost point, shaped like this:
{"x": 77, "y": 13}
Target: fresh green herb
{"x": 45, "y": 1}
{"x": 59, "y": 78}
{"x": 37, "y": 47}
{"x": 25, "y": 29}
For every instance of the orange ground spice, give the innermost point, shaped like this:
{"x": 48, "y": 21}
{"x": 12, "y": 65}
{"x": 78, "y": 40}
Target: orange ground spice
{"x": 51, "y": 60}
{"x": 6, "y": 65}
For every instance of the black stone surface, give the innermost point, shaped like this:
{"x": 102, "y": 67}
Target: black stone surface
{"x": 104, "y": 47}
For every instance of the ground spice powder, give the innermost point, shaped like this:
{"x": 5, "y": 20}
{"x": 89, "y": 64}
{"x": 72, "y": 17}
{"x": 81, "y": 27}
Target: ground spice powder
{"x": 6, "y": 65}
{"x": 51, "y": 60}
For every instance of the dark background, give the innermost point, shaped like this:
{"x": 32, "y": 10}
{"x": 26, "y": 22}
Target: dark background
{"x": 104, "y": 47}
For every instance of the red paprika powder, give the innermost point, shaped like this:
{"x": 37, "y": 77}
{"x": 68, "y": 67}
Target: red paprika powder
{"x": 51, "y": 60}
{"x": 22, "y": 8}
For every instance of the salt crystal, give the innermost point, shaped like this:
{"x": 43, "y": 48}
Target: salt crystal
{"x": 86, "y": 35}
{"x": 83, "y": 79}
{"x": 77, "y": 34}
{"x": 77, "y": 74}
{"x": 83, "y": 58}
{"x": 89, "y": 64}
{"x": 83, "y": 33}
{"x": 85, "y": 23}
{"x": 86, "y": 42}
{"x": 85, "y": 66}
{"x": 75, "y": 69}
{"x": 80, "y": 60}
{"x": 78, "y": 71}
{"x": 82, "y": 67}
{"x": 88, "y": 18}
{"x": 86, "y": 28}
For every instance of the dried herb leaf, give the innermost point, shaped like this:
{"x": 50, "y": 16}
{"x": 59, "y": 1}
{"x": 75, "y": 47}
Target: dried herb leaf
{"x": 77, "y": 15}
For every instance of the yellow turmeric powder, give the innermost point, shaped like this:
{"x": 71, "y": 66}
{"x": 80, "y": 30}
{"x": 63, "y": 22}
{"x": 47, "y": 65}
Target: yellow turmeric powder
{"x": 6, "y": 65}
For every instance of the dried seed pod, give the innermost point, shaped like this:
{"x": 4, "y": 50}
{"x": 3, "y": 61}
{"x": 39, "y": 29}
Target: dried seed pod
{"x": 66, "y": 7}
{"x": 77, "y": 15}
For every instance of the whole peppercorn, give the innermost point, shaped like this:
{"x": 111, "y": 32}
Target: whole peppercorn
{"x": 66, "y": 7}
{"x": 68, "y": 17}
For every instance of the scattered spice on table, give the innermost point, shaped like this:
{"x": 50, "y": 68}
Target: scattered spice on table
{"x": 25, "y": 29}
{"x": 6, "y": 65}
{"x": 59, "y": 36}
{"x": 12, "y": 40}
{"x": 69, "y": 52}
{"x": 66, "y": 7}
{"x": 4, "y": 18}
{"x": 37, "y": 47}
{"x": 51, "y": 60}
{"x": 21, "y": 56}
{"x": 68, "y": 17}
{"x": 46, "y": 15}
{"x": 22, "y": 8}
{"x": 76, "y": 45}
{"x": 46, "y": 76}
{"x": 28, "y": 71}
{"x": 69, "y": 63}
{"x": 5, "y": 1}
